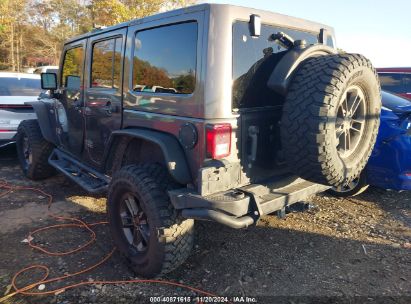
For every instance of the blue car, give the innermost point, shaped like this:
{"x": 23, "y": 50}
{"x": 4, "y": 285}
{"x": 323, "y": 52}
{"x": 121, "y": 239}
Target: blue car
{"x": 389, "y": 166}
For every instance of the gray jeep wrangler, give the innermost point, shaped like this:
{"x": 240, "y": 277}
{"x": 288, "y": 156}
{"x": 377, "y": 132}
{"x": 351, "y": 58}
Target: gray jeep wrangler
{"x": 211, "y": 112}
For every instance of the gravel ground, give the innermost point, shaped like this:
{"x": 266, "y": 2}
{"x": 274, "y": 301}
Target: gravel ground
{"x": 341, "y": 251}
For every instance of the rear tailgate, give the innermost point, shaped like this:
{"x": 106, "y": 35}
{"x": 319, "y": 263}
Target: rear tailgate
{"x": 259, "y": 144}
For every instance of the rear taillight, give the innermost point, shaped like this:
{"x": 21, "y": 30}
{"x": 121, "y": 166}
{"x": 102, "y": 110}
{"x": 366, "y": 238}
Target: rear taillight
{"x": 218, "y": 140}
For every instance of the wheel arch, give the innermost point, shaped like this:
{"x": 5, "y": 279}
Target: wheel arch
{"x": 43, "y": 112}
{"x": 158, "y": 144}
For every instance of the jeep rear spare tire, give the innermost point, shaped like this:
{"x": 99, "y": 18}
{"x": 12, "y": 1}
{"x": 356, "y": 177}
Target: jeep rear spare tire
{"x": 331, "y": 118}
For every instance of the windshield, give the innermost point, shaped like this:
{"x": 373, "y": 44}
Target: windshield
{"x": 254, "y": 58}
{"x": 11, "y": 86}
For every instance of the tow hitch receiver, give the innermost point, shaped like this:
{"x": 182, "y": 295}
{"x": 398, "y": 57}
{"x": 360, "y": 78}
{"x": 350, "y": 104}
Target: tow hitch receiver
{"x": 296, "y": 207}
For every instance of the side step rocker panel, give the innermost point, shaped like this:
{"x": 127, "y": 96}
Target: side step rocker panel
{"x": 89, "y": 179}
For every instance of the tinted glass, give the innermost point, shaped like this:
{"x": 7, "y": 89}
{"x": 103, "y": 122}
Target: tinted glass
{"x": 407, "y": 83}
{"x": 165, "y": 59}
{"x": 19, "y": 86}
{"x": 392, "y": 82}
{"x": 105, "y": 70}
{"x": 73, "y": 64}
{"x": 253, "y": 61}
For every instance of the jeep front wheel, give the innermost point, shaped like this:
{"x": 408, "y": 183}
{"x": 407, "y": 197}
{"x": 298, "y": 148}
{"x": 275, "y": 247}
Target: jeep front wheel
{"x": 145, "y": 227}
{"x": 331, "y": 118}
{"x": 33, "y": 151}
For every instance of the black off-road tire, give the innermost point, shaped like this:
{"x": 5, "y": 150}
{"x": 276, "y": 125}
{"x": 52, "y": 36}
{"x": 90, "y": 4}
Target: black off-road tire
{"x": 309, "y": 120}
{"x": 356, "y": 187}
{"x": 38, "y": 167}
{"x": 171, "y": 236}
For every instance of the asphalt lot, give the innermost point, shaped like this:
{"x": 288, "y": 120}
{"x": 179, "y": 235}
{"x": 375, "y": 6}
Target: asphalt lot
{"x": 342, "y": 251}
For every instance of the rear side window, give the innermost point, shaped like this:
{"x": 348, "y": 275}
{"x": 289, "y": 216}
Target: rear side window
{"x": 165, "y": 59}
{"x": 106, "y": 64}
{"x": 73, "y": 65}
{"x": 392, "y": 82}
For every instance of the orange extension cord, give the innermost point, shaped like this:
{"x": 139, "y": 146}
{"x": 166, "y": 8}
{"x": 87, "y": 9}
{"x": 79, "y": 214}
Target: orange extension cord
{"x": 4, "y": 185}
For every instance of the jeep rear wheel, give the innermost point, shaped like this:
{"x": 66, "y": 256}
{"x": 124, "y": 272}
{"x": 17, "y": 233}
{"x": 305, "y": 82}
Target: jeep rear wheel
{"x": 33, "y": 151}
{"x": 145, "y": 227}
{"x": 331, "y": 118}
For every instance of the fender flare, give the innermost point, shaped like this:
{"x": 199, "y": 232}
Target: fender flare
{"x": 280, "y": 78}
{"x": 173, "y": 152}
{"x": 43, "y": 111}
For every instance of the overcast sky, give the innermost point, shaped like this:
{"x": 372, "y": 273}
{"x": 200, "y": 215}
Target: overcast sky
{"x": 378, "y": 29}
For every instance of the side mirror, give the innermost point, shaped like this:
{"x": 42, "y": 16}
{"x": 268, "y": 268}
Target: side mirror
{"x": 49, "y": 81}
{"x": 255, "y": 25}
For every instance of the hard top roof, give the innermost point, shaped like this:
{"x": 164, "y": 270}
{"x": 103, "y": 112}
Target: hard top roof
{"x": 202, "y": 7}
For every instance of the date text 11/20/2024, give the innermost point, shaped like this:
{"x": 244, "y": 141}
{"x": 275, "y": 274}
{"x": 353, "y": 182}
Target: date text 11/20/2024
{"x": 171, "y": 299}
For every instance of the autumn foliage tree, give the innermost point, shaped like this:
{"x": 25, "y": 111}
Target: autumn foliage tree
{"x": 32, "y": 32}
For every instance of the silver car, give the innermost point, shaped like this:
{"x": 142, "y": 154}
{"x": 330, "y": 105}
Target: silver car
{"x": 15, "y": 90}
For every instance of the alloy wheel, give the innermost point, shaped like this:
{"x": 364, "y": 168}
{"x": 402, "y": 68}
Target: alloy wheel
{"x": 134, "y": 222}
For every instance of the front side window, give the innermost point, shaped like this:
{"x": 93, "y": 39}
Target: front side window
{"x": 165, "y": 59}
{"x": 392, "y": 82}
{"x": 106, "y": 64}
{"x": 73, "y": 67}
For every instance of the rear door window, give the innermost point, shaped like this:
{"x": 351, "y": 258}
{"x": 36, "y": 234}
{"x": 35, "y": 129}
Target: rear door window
{"x": 106, "y": 64}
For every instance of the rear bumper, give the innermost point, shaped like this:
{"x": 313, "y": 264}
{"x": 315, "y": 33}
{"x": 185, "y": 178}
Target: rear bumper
{"x": 242, "y": 207}
{"x": 9, "y": 122}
